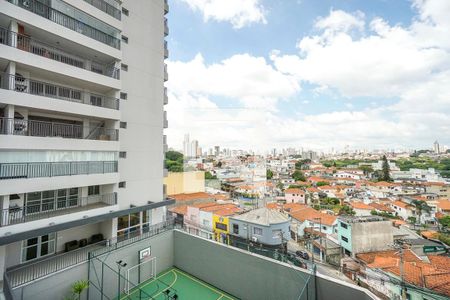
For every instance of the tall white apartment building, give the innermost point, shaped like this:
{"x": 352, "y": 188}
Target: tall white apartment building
{"x": 81, "y": 124}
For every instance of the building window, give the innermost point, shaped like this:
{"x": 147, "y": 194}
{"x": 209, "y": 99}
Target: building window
{"x": 235, "y": 228}
{"x": 125, "y": 39}
{"x": 206, "y": 223}
{"x": 343, "y": 225}
{"x": 93, "y": 190}
{"x": 129, "y": 224}
{"x": 123, "y": 125}
{"x": 123, "y": 154}
{"x": 124, "y": 67}
{"x": 37, "y": 202}
{"x": 344, "y": 239}
{"x": 122, "y": 184}
{"x": 221, "y": 226}
{"x": 125, "y": 11}
{"x": 257, "y": 231}
{"x": 324, "y": 228}
{"x": 38, "y": 247}
{"x": 123, "y": 96}
{"x": 277, "y": 234}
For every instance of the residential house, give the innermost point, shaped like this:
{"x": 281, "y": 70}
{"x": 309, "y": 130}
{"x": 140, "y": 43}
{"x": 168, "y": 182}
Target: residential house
{"x": 361, "y": 209}
{"x": 364, "y": 234}
{"x": 403, "y": 210}
{"x": 295, "y": 195}
{"x": 310, "y": 218}
{"x": 425, "y": 278}
{"x": 263, "y": 226}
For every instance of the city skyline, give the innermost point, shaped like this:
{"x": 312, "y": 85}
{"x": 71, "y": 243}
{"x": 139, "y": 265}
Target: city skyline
{"x": 380, "y": 82}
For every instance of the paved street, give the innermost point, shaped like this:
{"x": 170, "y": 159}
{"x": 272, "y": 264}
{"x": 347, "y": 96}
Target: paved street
{"x": 322, "y": 268}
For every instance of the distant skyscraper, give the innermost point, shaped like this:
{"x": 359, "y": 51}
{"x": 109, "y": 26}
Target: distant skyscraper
{"x": 186, "y": 146}
{"x": 194, "y": 149}
{"x": 436, "y": 147}
{"x": 216, "y": 150}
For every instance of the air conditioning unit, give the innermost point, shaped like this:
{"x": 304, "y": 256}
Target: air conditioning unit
{"x": 254, "y": 239}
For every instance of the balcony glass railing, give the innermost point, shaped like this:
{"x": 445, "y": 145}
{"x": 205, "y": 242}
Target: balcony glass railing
{"x": 25, "y": 170}
{"x": 9, "y": 126}
{"x": 21, "y": 84}
{"x": 107, "y": 6}
{"x": 57, "y": 207}
{"x": 70, "y": 22}
{"x": 25, "y": 43}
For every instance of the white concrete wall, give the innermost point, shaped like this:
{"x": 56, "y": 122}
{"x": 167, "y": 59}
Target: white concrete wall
{"x": 143, "y": 111}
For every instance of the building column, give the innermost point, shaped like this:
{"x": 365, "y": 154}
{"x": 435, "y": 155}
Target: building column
{"x": 84, "y": 195}
{"x": 13, "y": 27}
{"x": 4, "y": 213}
{"x": 10, "y": 71}
{"x": 9, "y": 115}
{"x": 86, "y": 128}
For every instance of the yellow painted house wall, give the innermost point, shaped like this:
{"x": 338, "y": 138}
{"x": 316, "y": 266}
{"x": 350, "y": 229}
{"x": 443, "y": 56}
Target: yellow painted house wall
{"x": 217, "y": 231}
{"x": 185, "y": 182}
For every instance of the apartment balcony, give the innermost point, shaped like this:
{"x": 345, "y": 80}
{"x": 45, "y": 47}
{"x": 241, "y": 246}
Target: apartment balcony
{"x": 166, "y": 98}
{"x": 27, "y": 170}
{"x": 166, "y": 50}
{"x": 166, "y": 7}
{"x": 21, "y": 214}
{"x": 166, "y": 27}
{"x": 69, "y": 22}
{"x": 166, "y": 74}
{"x": 109, "y": 7}
{"x": 21, "y": 84}
{"x": 36, "y": 47}
{"x": 24, "y": 273}
{"x": 34, "y": 128}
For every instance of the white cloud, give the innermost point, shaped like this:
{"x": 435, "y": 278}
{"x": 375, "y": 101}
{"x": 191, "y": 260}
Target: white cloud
{"x": 349, "y": 57}
{"x": 248, "y": 79}
{"x": 239, "y": 13}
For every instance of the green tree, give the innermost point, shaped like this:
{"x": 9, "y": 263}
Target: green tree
{"x": 347, "y": 211}
{"x": 322, "y": 183}
{"x": 420, "y": 206}
{"x": 79, "y": 286}
{"x": 385, "y": 170}
{"x": 445, "y": 222}
{"x": 209, "y": 176}
{"x": 174, "y": 161}
{"x": 366, "y": 169}
{"x": 269, "y": 174}
{"x": 298, "y": 176}
{"x": 280, "y": 186}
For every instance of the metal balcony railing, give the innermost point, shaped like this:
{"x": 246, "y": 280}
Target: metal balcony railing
{"x": 166, "y": 27}
{"x": 53, "y": 169}
{"x": 25, "y": 43}
{"x": 166, "y": 50}
{"x": 54, "y": 207}
{"x": 30, "y": 86}
{"x": 20, "y": 127}
{"x": 22, "y": 274}
{"x": 106, "y": 7}
{"x": 62, "y": 19}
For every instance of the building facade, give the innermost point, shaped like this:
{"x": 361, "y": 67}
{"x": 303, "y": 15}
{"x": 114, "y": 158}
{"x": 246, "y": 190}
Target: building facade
{"x": 81, "y": 124}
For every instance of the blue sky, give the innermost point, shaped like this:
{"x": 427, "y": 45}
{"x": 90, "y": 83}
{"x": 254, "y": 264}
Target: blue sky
{"x": 279, "y": 73}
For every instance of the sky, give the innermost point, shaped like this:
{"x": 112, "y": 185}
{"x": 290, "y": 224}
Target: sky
{"x": 321, "y": 75}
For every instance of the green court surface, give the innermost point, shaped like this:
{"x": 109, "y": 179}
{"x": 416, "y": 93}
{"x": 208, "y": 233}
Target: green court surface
{"x": 176, "y": 281}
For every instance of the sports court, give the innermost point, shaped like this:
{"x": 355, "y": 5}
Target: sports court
{"x": 173, "y": 282}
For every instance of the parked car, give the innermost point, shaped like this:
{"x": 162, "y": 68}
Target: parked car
{"x": 302, "y": 254}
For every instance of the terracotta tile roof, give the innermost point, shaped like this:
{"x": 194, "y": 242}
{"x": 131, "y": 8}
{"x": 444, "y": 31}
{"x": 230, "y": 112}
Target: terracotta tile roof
{"x": 430, "y": 234}
{"x": 434, "y": 275}
{"x": 273, "y": 205}
{"x": 293, "y": 206}
{"x": 381, "y": 207}
{"x": 294, "y": 191}
{"x": 401, "y": 204}
{"x": 191, "y": 196}
{"x": 313, "y": 215}
{"x": 313, "y": 190}
{"x": 443, "y": 204}
{"x": 180, "y": 210}
{"x": 360, "y": 205}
